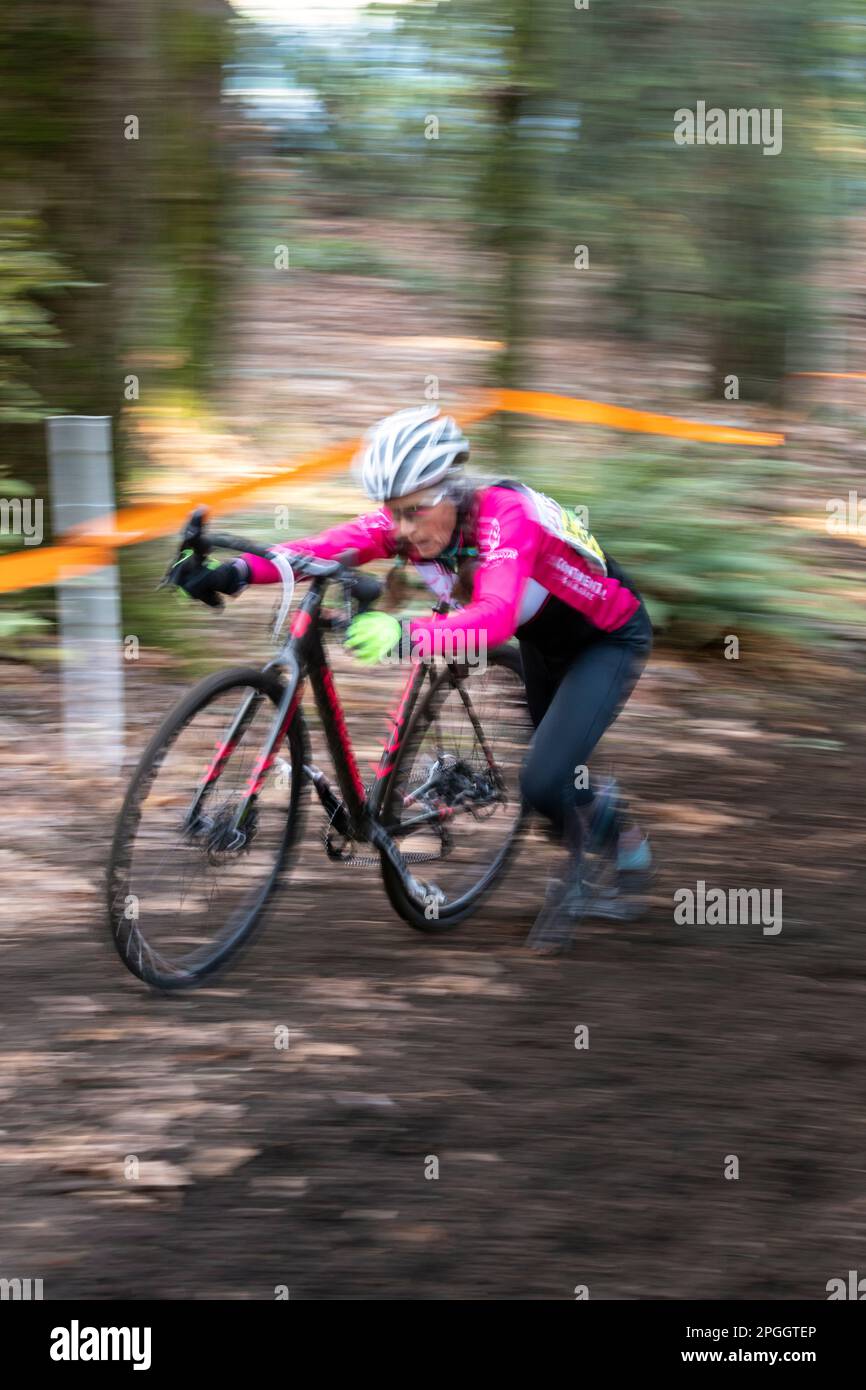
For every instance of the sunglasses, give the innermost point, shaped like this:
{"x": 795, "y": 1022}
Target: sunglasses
{"x": 417, "y": 509}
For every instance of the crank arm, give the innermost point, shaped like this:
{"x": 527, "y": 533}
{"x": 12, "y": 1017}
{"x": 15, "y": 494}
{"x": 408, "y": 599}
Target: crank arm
{"x": 406, "y": 827}
{"x": 420, "y": 893}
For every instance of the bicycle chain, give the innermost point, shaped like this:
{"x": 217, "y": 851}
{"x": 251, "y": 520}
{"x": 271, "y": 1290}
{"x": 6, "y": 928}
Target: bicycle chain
{"x": 365, "y": 861}
{"x": 368, "y": 861}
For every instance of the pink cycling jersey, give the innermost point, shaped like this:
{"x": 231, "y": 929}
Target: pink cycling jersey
{"x": 522, "y": 563}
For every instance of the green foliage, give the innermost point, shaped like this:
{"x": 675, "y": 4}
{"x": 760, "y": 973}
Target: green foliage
{"x": 556, "y": 127}
{"x": 699, "y": 538}
{"x": 26, "y": 271}
{"x": 341, "y": 255}
{"x": 14, "y": 624}
{"x": 159, "y": 618}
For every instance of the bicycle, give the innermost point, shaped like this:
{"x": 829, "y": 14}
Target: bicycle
{"x": 233, "y": 805}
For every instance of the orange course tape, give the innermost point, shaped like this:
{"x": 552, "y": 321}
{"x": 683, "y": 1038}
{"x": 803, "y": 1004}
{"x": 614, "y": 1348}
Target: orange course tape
{"x": 90, "y": 547}
{"x": 32, "y": 569}
{"x": 622, "y": 418}
{"x": 836, "y": 376}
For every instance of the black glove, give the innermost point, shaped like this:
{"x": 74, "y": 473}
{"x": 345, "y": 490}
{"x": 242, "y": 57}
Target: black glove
{"x": 206, "y": 581}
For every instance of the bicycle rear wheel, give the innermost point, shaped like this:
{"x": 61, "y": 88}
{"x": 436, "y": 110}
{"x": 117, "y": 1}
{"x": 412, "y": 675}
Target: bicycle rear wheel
{"x": 184, "y": 891}
{"x": 453, "y": 799}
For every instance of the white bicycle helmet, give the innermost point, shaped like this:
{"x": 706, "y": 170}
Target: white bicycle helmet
{"x": 410, "y": 450}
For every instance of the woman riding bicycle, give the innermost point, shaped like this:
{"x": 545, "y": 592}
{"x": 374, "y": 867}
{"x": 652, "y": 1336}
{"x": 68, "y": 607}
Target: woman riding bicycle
{"x": 524, "y": 567}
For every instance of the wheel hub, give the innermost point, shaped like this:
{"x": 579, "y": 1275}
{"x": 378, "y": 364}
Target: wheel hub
{"x": 218, "y": 835}
{"x": 453, "y": 782}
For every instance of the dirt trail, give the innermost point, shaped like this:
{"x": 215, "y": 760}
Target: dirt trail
{"x": 557, "y": 1166}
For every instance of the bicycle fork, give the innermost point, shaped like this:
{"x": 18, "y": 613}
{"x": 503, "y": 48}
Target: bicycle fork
{"x": 235, "y": 834}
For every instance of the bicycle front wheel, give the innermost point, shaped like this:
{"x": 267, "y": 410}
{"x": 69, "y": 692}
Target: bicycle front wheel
{"x": 453, "y": 800}
{"x": 185, "y": 888}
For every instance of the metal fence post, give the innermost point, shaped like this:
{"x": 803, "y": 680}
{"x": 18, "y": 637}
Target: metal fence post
{"x": 82, "y": 493}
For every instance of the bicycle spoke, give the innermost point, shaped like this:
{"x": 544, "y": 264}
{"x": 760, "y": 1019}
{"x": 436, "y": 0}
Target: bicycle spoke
{"x": 196, "y": 885}
{"x": 451, "y": 808}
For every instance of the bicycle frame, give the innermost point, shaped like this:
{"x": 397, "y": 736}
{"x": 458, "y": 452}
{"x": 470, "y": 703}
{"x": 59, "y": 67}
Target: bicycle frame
{"x": 304, "y": 657}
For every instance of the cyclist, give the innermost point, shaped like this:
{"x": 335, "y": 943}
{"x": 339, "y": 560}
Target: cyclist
{"x": 524, "y": 566}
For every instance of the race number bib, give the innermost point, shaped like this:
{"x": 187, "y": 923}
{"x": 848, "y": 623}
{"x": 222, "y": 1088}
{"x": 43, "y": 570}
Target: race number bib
{"x": 568, "y": 524}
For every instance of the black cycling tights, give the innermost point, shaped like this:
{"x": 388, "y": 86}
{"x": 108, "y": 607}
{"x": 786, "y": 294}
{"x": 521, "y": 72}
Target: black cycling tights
{"x": 572, "y": 700}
